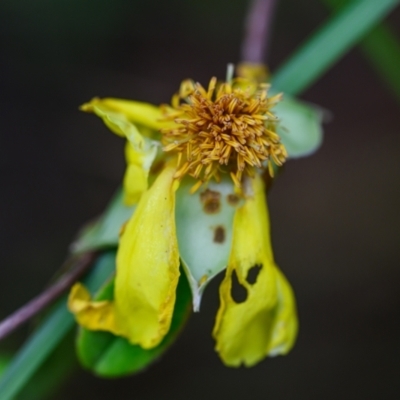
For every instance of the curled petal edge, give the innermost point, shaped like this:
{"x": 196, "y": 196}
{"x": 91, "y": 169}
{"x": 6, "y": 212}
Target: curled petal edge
{"x": 147, "y": 273}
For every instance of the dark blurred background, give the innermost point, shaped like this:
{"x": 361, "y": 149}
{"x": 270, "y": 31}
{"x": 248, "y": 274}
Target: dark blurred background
{"x": 335, "y": 216}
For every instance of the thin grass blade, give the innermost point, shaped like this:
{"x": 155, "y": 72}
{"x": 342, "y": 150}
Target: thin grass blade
{"x": 329, "y": 43}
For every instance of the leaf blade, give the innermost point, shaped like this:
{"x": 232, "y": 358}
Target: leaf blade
{"x": 109, "y": 356}
{"x": 324, "y": 48}
{"x": 382, "y": 50}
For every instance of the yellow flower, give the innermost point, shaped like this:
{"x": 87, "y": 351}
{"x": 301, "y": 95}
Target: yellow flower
{"x": 195, "y": 170}
{"x": 226, "y": 130}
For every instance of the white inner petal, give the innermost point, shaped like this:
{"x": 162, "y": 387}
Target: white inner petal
{"x": 204, "y": 228}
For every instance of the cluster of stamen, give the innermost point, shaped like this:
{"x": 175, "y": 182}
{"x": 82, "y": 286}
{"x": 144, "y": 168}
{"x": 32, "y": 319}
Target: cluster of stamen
{"x": 229, "y": 128}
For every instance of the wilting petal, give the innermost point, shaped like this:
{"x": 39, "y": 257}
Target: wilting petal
{"x": 137, "y": 172}
{"x": 148, "y": 265}
{"x": 244, "y": 330}
{"x": 285, "y": 323}
{"x": 140, "y": 151}
{"x": 99, "y": 315}
{"x": 135, "y": 111}
{"x": 147, "y": 273}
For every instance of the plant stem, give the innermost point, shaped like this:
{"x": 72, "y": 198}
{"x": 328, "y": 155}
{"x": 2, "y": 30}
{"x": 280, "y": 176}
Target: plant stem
{"x": 53, "y": 328}
{"x": 257, "y": 29}
{"x": 79, "y": 266}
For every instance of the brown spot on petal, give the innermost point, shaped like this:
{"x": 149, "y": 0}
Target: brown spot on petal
{"x": 219, "y": 234}
{"x": 211, "y": 201}
{"x": 233, "y": 199}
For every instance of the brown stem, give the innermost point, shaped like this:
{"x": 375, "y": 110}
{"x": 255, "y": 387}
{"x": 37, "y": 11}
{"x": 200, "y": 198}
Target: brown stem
{"x": 257, "y": 29}
{"x": 79, "y": 266}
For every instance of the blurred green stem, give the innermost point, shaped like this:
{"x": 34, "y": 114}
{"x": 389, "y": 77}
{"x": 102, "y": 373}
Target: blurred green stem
{"x": 383, "y": 52}
{"x": 329, "y": 43}
{"x": 381, "y": 48}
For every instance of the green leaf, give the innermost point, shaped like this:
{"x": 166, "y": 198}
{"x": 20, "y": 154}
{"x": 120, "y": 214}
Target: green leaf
{"x": 204, "y": 229}
{"x": 329, "y": 43}
{"x": 105, "y": 231}
{"x": 300, "y": 128}
{"x": 52, "y": 373}
{"x": 381, "y": 48}
{"x": 383, "y": 51}
{"x": 4, "y": 361}
{"x": 48, "y": 335}
{"x": 111, "y": 356}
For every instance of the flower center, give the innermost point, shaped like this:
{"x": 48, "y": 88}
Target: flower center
{"x": 229, "y": 128}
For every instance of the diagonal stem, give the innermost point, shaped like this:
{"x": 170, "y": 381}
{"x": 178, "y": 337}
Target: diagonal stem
{"x": 29, "y": 310}
{"x": 257, "y": 28}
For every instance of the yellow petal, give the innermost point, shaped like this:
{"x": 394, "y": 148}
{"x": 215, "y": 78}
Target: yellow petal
{"x": 140, "y": 151}
{"x": 285, "y": 323}
{"x": 147, "y": 273}
{"x": 135, "y": 183}
{"x": 98, "y": 315}
{"x": 116, "y": 121}
{"x": 135, "y": 111}
{"x": 136, "y": 174}
{"x": 148, "y": 266}
{"x": 244, "y": 330}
